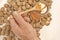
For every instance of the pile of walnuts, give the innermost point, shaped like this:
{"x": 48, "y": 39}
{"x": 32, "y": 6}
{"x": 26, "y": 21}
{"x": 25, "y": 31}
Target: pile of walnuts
{"x": 37, "y": 19}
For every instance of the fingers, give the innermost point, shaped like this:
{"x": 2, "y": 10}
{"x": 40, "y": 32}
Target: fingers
{"x": 19, "y": 19}
{"x": 27, "y": 19}
{"x": 15, "y": 28}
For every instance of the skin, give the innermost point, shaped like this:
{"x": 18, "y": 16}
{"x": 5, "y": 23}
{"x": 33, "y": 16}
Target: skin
{"x": 22, "y": 28}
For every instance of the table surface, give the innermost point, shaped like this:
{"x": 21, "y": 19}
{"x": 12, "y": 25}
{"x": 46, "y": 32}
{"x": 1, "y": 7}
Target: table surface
{"x": 51, "y": 32}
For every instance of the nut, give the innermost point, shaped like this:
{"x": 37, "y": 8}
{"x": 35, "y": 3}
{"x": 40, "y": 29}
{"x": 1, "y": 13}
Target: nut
{"x": 1, "y": 20}
{"x": 4, "y": 38}
{"x": 12, "y": 34}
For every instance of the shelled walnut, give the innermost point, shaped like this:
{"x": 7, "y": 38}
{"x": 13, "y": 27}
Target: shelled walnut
{"x": 3, "y": 31}
{"x": 9, "y": 38}
{"x": 4, "y": 38}
{"x": 1, "y": 20}
{"x": 1, "y": 13}
{"x": 12, "y": 34}
{"x": 0, "y": 30}
{"x": 8, "y": 29}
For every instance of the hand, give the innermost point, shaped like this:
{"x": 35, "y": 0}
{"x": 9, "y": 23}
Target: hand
{"x": 21, "y": 28}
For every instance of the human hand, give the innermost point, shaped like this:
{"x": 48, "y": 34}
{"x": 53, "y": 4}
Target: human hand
{"x": 21, "y": 28}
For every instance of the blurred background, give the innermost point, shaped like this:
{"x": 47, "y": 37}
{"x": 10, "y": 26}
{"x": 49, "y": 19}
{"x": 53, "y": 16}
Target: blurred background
{"x": 51, "y": 32}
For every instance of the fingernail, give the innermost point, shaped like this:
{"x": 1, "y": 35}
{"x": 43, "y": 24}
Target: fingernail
{"x": 10, "y": 17}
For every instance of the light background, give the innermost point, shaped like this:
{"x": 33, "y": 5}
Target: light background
{"x": 51, "y": 32}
